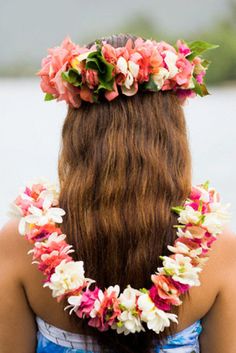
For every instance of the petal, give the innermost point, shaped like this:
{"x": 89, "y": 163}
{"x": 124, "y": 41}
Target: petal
{"x": 122, "y": 65}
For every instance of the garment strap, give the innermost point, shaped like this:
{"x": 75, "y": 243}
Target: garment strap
{"x": 65, "y": 338}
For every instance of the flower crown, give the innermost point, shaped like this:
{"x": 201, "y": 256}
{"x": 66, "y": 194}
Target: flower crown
{"x": 74, "y": 74}
{"x": 201, "y": 220}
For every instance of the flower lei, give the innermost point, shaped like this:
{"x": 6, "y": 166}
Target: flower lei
{"x": 74, "y": 74}
{"x": 200, "y": 220}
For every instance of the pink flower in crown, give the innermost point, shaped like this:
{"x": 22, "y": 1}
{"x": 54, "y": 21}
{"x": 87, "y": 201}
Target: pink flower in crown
{"x": 150, "y": 61}
{"x": 199, "y": 69}
{"x": 166, "y": 290}
{"x": 183, "y": 48}
{"x": 53, "y": 65}
{"x": 106, "y": 309}
{"x": 184, "y": 75}
{"x": 86, "y": 94}
{"x": 110, "y": 95}
{"x": 109, "y": 53}
{"x": 183, "y": 94}
{"x": 163, "y": 46}
{"x": 169, "y": 85}
{"x": 87, "y": 303}
{"x": 200, "y": 77}
{"x": 92, "y": 78}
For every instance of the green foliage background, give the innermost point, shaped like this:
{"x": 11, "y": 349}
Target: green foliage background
{"x": 222, "y": 33}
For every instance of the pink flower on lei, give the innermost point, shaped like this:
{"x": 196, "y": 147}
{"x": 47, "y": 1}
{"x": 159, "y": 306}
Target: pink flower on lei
{"x": 166, "y": 290}
{"x": 87, "y": 303}
{"x": 42, "y": 232}
{"x": 106, "y": 309}
{"x": 158, "y": 301}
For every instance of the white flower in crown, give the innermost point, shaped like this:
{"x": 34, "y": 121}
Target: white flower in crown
{"x": 181, "y": 269}
{"x": 155, "y": 318}
{"x": 128, "y": 68}
{"x": 189, "y": 215}
{"x": 129, "y": 321}
{"x": 181, "y": 248}
{"x": 170, "y": 60}
{"x": 98, "y": 302}
{"x": 68, "y": 276}
{"x": 160, "y": 77}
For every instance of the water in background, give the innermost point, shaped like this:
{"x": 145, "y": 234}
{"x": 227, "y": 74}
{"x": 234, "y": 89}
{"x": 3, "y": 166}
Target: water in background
{"x": 30, "y": 137}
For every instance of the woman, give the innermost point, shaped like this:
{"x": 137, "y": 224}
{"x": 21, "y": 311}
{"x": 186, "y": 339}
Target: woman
{"x": 124, "y": 164}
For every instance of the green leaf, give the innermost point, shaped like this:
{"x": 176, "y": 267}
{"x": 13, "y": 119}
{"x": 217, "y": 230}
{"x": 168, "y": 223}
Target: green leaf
{"x": 177, "y": 209}
{"x": 48, "y": 97}
{"x": 205, "y": 63}
{"x": 206, "y": 185}
{"x": 96, "y": 61}
{"x": 198, "y": 47}
{"x": 73, "y": 77}
{"x": 151, "y": 85}
{"x": 108, "y": 86}
{"x": 200, "y": 89}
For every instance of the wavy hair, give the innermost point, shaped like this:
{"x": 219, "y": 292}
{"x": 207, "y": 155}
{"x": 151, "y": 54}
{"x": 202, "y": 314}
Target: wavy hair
{"x": 122, "y": 166}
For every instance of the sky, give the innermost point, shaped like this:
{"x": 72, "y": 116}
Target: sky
{"x": 28, "y": 27}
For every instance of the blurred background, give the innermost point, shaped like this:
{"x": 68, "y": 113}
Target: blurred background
{"x": 30, "y": 128}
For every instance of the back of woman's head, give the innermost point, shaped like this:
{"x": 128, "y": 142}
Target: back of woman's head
{"x": 123, "y": 165}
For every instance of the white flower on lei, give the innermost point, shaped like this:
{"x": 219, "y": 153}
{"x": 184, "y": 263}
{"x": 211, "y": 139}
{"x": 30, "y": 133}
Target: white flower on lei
{"x": 181, "y": 269}
{"x": 68, "y": 276}
{"x": 189, "y": 215}
{"x": 129, "y": 321}
{"x": 181, "y": 248}
{"x": 155, "y": 318}
{"x": 205, "y": 197}
{"x": 98, "y": 302}
{"x": 40, "y": 217}
{"x": 215, "y": 220}
{"x": 185, "y": 234}
{"x": 74, "y": 301}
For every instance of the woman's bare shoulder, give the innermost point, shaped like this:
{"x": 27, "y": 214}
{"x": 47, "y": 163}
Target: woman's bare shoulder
{"x": 11, "y": 240}
{"x": 15, "y": 313}
{"x": 219, "y": 323}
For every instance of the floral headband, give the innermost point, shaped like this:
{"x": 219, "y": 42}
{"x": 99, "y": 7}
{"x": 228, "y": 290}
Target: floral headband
{"x": 75, "y": 74}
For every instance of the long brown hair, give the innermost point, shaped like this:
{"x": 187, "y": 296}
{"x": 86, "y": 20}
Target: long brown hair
{"x": 122, "y": 166}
